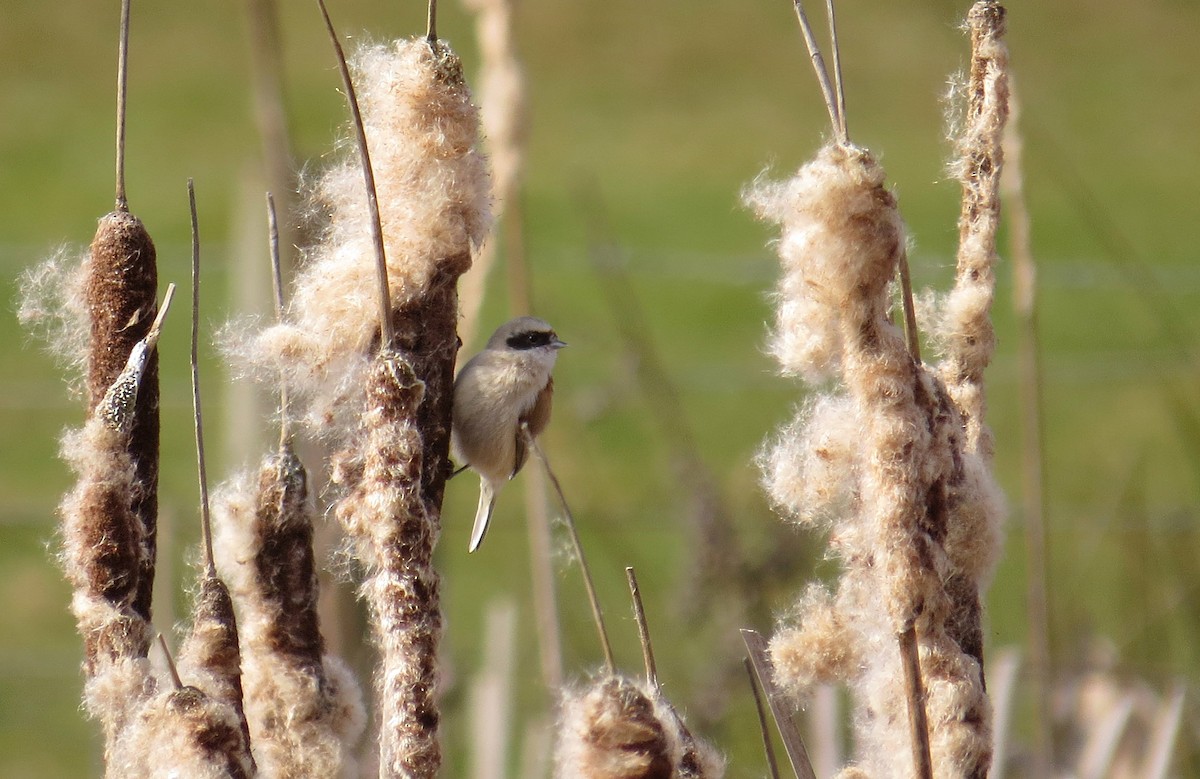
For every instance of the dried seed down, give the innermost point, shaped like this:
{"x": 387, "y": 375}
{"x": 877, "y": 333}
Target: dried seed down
{"x": 970, "y": 338}
{"x": 898, "y": 481}
{"x": 434, "y": 201}
{"x": 303, "y": 706}
{"x": 103, "y": 551}
{"x": 183, "y": 733}
{"x": 394, "y": 530}
{"x": 616, "y": 729}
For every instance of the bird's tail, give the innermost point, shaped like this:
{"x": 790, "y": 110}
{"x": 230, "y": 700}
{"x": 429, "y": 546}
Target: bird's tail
{"x": 483, "y": 515}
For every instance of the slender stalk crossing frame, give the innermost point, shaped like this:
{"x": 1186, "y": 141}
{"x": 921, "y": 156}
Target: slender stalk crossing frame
{"x": 597, "y": 613}
{"x": 122, "y": 203}
{"x": 210, "y": 566}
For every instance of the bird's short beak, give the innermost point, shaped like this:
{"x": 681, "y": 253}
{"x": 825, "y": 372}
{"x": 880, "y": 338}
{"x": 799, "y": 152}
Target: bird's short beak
{"x": 557, "y": 344}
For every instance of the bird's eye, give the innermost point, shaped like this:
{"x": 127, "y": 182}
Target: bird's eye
{"x": 530, "y": 339}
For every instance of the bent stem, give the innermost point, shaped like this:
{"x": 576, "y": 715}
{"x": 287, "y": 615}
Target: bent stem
{"x": 597, "y": 614}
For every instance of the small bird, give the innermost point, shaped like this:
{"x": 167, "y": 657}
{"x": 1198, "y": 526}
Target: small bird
{"x": 505, "y": 386}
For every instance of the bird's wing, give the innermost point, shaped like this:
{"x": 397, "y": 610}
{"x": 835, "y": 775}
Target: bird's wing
{"x": 536, "y": 418}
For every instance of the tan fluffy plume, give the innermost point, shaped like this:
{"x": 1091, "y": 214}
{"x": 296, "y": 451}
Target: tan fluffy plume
{"x": 896, "y": 461}
{"x": 434, "y": 203}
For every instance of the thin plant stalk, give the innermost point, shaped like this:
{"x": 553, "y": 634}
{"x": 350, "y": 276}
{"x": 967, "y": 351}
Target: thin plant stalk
{"x": 122, "y": 203}
{"x": 764, "y": 728}
{"x": 837, "y": 68}
{"x": 285, "y": 433}
{"x": 818, "y": 63}
{"x": 781, "y": 710}
{"x": 594, "y": 601}
{"x": 639, "y": 616}
{"x": 915, "y": 692}
{"x": 205, "y": 517}
{"x": 172, "y": 669}
{"x": 910, "y": 657}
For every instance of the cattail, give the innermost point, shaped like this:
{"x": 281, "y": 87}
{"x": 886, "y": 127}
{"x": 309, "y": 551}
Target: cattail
{"x": 911, "y": 506}
{"x": 303, "y": 706}
{"x": 120, "y": 291}
{"x": 970, "y": 338}
{"x": 429, "y": 209}
{"x": 433, "y": 196}
{"x": 211, "y": 656}
{"x": 394, "y": 529}
{"x": 183, "y": 732}
{"x": 617, "y": 729}
{"x": 102, "y": 542}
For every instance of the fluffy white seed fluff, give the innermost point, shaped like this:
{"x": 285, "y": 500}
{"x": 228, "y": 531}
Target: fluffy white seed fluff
{"x": 433, "y": 192}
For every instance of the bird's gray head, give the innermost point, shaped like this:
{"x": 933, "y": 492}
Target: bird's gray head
{"x": 523, "y": 334}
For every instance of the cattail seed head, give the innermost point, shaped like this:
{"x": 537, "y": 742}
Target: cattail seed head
{"x": 617, "y": 729}
{"x": 434, "y": 204}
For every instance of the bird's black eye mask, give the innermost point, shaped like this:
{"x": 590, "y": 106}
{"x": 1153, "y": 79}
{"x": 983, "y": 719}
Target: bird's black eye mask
{"x": 530, "y": 339}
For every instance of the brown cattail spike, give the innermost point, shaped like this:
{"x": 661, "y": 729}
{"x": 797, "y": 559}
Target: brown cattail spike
{"x": 121, "y": 280}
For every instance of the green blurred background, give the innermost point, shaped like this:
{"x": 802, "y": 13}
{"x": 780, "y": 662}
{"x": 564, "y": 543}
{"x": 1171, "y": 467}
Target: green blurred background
{"x": 661, "y": 112}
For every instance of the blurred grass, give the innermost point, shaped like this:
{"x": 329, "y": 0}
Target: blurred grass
{"x": 667, "y": 110}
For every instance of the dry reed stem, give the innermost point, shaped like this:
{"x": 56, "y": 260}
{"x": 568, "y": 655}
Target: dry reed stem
{"x": 1029, "y": 386}
{"x": 491, "y": 696}
{"x": 271, "y": 116}
{"x": 304, "y": 708}
{"x": 1002, "y": 676}
{"x": 589, "y": 585}
{"x": 758, "y": 653}
{"x": 639, "y": 616}
{"x": 763, "y": 726}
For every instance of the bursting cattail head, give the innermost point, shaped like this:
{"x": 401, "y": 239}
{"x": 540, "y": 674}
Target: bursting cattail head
{"x": 841, "y": 239}
{"x": 433, "y": 193}
{"x": 617, "y": 729}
